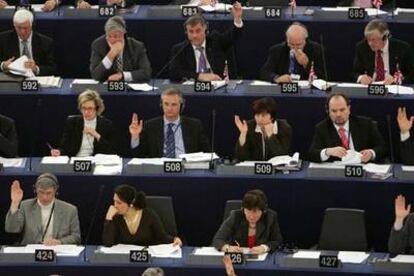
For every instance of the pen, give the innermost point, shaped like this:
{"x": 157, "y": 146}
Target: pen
{"x": 49, "y": 146}
{"x": 236, "y": 243}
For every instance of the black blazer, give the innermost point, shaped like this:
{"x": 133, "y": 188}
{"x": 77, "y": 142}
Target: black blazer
{"x": 276, "y": 145}
{"x": 8, "y": 137}
{"x": 150, "y": 231}
{"x": 399, "y": 52}
{"x": 151, "y": 141}
{"x": 42, "y": 49}
{"x": 277, "y": 62}
{"x": 217, "y": 45}
{"x": 402, "y": 241}
{"x": 364, "y": 133}
{"x": 235, "y": 228}
{"x": 407, "y": 150}
{"x": 73, "y": 132}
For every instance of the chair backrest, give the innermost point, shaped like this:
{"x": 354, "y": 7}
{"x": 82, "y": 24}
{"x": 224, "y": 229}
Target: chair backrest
{"x": 231, "y": 205}
{"x": 163, "y": 206}
{"x": 343, "y": 229}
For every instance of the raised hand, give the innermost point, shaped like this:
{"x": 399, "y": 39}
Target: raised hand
{"x": 404, "y": 123}
{"x": 16, "y": 194}
{"x": 400, "y": 210}
{"x": 135, "y": 127}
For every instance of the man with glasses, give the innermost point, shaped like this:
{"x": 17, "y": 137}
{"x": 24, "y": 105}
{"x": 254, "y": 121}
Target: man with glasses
{"x": 44, "y": 218}
{"x": 23, "y": 41}
{"x": 293, "y": 58}
{"x": 117, "y": 57}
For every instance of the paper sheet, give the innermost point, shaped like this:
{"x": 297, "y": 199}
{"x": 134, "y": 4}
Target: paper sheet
{"x": 165, "y": 251}
{"x": 60, "y": 250}
{"x": 408, "y": 168}
{"x": 63, "y": 159}
{"x": 151, "y": 161}
{"x": 377, "y": 169}
{"x": 141, "y": 87}
{"x": 17, "y": 67}
{"x": 285, "y": 160}
{"x": 198, "y": 156}
{"x": 355, "y": 257}
{"x": 13, "y": 162}
{"x": 307, "y": 254}
{"x": 403, "y": 259}
{"x": 84, "y": 81}
{"x": 120, "y": 248}
{"x": 399, "y": 89}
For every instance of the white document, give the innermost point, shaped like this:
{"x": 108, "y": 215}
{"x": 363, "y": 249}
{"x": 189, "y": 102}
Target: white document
{"x": 249, "y": 163}
{"x": 370, "y": 11}
{"x": 151, "y": 161}
{"x": 165, "y": 251}
{"x": 399, "y": 89}
{"x": 326, "y": 165}
{"x": 285, "y": 160}
{"x": 402, "y": 10}
{"x": 48, "y": 81}
{"x": 261, "y": 83}
{"x": 108, "y": 169}
{"x": 377, "y": 169}
{"x": 120, "y": 248}
{"x": 198, "y": 156}
{"x": 352, "y": 84}
{"x": 351, "y": 157}
{"x": 219, "y": 7}
{"x": 408, "y": 168}
{"x": 215, "y": 84}
{"x": 60, "y": 250}
{"x": 107, "y": 159}
{"x": 354, "y": 257}
{"x": 17, "y": 67}
{"x": 84, "y": 81}
{"x": 303, "y": 83}
{"x": 141, "y": 87}
{"x": 208, "y": 251}
{"x": 403, "y": 259}
{"x": 322, "y": 84}
{"x": 63, "y": 159}
{"x": 307, "y": 254}
{"x": 13, "y": 162}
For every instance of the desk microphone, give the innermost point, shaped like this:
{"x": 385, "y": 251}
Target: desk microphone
{"x": 328, "y": 88}
{"x": 186, "y": 42}
{"x": 213, "y": 134}
{"x": 98, "y": 200}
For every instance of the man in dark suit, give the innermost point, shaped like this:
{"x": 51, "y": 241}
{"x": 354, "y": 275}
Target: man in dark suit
{"x": 341, "y": 132}
{"x": 379, "y": 56}
{"x": 118, "y": 57}
{"x": 24, "y": 41}
{"x": 169, "y": 135}
{"x": 203, "y": 56}
{"x": 293, "y": 57}
{"x": 8, "y": 137}
{"x": 407, "y": 140}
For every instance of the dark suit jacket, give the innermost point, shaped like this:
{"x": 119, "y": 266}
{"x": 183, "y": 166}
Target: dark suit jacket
{"x": 235, "y": 228}
{"x": 42, "y": 49}
{"x": 73, "y": 132}
{"x": 8, "y": 137}
{"x": 277, "y": 62}
{"x": 276, "y": 145}
{"x": 218, "y": 44}
{"x": 150, "y": 231}
{"x": 407, "y": 150}
{"x": 364, "y": 133}
{"x": 134, "y": 59}
{"x": 399, "y": 52}
{"x": 151, "y": 141}
{"x": 402, "y": 241}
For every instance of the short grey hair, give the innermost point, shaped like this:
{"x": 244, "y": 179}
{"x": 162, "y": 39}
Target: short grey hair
{"x": 22, "y": 16}
{"x": 377, "y": 25}
{"x": 46, "y": 181}
{"x": 115, "y": 23}
{"x": 298, "y": 24}
{"x": 153, "y": 271}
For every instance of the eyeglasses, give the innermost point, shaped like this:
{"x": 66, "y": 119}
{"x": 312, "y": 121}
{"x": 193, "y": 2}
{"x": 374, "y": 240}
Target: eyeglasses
{"x": 89, "y": 109}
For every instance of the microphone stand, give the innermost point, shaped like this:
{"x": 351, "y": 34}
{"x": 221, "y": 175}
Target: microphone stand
{"x": 212, "y": 165}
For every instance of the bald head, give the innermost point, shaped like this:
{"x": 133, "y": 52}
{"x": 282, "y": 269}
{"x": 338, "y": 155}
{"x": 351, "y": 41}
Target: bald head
{"x": 296, "y": 36}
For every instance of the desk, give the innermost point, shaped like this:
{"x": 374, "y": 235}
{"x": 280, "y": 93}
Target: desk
{"x": 73, "y": 38}
{"x": 199, "y": 198}
{"x": 77, "y": 266}
{"x": 40, "y": 116}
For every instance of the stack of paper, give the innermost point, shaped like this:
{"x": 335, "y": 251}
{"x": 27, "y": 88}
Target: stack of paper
{"x": 151, "y": 161}
{"x": 106, "y": 164}
{"x": 285, "y": 160}
{"x": 399, "y": 89}
{"x": 60, "y": 250}
{"x": 17, "y": 67}
{"x": 307, "y": 254}
{"x": 378, "y": 171}
{"x": 84, "y": 81}
{"x": 403, "y": 259}
{"x": 141, "y": 87}
{"x": 219, "y": 7}
{"x": 158, "y": 251}
{"x": 13, "y": 162}
{"x": 48, "y": 81}
{"x": 63, "y": 159}
{"x": 355, "y": 257}
{"x": 403, "y": 10}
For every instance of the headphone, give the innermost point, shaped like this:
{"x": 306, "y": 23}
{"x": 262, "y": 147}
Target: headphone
{"x": 50, "y": 177}
{"x": 194, "y": 20}
{"x": 132, "y": 203}
{"x": 328, "y": 100}
{"x": 261, "y": 196}
{"x": 179, "y": 94}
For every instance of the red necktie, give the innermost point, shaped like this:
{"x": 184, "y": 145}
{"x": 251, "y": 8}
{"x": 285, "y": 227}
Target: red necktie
{"x": 379, "y": 70}
{"x": 344, "y": 138}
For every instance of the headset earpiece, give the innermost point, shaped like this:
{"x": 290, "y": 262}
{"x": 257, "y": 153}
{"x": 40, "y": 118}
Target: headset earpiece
{"x": 49, "y": 176}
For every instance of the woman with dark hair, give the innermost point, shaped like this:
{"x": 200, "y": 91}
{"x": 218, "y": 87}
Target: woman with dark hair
{"x": 265, "y": 136}
{"x": 254, "y": 226}
{"x": 130, "y": 221}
